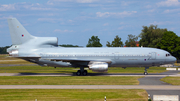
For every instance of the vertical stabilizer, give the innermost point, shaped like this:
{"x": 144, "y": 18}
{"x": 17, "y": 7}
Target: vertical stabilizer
{"x": 19, "y": 34}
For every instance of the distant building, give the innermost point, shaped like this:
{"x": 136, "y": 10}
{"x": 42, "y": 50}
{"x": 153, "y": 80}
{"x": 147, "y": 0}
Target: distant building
{"x": 137, "y": 44}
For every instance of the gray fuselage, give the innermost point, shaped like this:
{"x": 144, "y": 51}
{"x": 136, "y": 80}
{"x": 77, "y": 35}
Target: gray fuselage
{"x": 122, "y": 57}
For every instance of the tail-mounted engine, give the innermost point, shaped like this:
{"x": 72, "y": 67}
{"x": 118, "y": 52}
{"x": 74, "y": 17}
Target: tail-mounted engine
{"x": 13, "y": 51}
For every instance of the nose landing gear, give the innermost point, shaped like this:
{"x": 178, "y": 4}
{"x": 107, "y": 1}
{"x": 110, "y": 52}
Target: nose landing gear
{"x": 145, "y": 71}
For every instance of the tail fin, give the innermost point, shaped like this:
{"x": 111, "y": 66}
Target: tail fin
{"x": 19, "y": 34}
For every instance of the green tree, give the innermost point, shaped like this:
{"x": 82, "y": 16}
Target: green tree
{"x": 94, "y": 42}
{"x": 151, "y": 36}
{"x": 131, "y": 41}
{"x": 116, "y": 43}
{"x": 171, "y": 43}
{"x": 3, "y": 50}
{"x": 68, "y": 45}
{"x": 108, "y": 44}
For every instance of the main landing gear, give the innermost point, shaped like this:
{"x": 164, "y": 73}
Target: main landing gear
{"x": 145, "y": 71}
{"x": 81, "y": 72}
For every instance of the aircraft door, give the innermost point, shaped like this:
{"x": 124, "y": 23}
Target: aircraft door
{"x": 153, "y": 55}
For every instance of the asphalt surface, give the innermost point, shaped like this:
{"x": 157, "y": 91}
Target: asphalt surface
{"x": 156, "y": 82}
{"x": 151, "y": 83}
{"x": 169, "y": 73}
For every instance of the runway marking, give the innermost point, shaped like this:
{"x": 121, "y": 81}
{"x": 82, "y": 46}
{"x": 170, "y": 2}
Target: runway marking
{"x": 146, "y": 87}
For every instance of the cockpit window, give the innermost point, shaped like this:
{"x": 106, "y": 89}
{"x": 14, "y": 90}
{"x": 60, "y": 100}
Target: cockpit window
{"x": 168, "y": 55}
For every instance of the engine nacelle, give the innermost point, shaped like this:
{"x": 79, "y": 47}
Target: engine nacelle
{"x": 98, "y": 66}
{"x": 14, "y": 53}
{"x": 13, "y": 50}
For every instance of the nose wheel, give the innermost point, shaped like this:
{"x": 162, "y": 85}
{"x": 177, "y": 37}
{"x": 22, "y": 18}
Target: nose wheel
{"x": 145, "y": 71}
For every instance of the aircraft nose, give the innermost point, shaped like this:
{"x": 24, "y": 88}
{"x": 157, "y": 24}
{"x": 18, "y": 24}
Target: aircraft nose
{"x": 174, "y": 59}
{"x": 170, "y": 60}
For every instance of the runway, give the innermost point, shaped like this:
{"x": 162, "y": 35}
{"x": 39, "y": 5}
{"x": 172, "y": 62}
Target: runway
{"x": 146, "y": 87}
{"x": 169, "y": 73}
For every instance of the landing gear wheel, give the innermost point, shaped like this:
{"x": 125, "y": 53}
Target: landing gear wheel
{"x": 145, "y": 73}
{"x": 84, "y": 73}
{"x": 78, "y": 73}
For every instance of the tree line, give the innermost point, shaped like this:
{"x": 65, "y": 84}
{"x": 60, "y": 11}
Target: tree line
{"x": 3, "y": 50}
{"x": 151, "y": 36}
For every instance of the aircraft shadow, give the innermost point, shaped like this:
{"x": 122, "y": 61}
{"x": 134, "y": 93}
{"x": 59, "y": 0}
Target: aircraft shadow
{"x": 95, "y": 74}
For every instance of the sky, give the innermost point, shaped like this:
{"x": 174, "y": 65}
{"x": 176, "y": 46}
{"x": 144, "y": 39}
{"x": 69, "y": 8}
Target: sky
{"x": 75, "y": 21}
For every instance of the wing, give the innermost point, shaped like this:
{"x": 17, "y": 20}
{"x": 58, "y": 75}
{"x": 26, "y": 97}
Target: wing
{"x": 79, "y": 62}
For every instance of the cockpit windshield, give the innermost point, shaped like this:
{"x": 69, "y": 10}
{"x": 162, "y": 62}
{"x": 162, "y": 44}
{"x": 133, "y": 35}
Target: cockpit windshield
{"x": 168, "y": 55}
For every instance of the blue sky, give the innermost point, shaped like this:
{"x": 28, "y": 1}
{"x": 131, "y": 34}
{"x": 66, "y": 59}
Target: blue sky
{"x": 75, "y": 21}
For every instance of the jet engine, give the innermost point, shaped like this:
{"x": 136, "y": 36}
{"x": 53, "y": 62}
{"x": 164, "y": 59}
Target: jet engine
{"x": 98, "y": 66}
{"x": 13, "y": 50}
{"x": 14, "y": 53}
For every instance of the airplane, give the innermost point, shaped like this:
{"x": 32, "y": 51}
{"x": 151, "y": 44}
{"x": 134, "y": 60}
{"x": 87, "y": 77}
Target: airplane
{"x": 45, "y": 51}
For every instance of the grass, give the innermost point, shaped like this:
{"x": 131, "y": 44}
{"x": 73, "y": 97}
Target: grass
{"x": 39, "y": 69}
{"x": 6, "y": 57}
{"x": 177, "y": 64}
{"x": 68, "y": 80}
{"x": 171, "y": 80}
{"x": 72, "y": 95}
{"x": 16, "y": 61}
{"x": 35, "y": 69}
